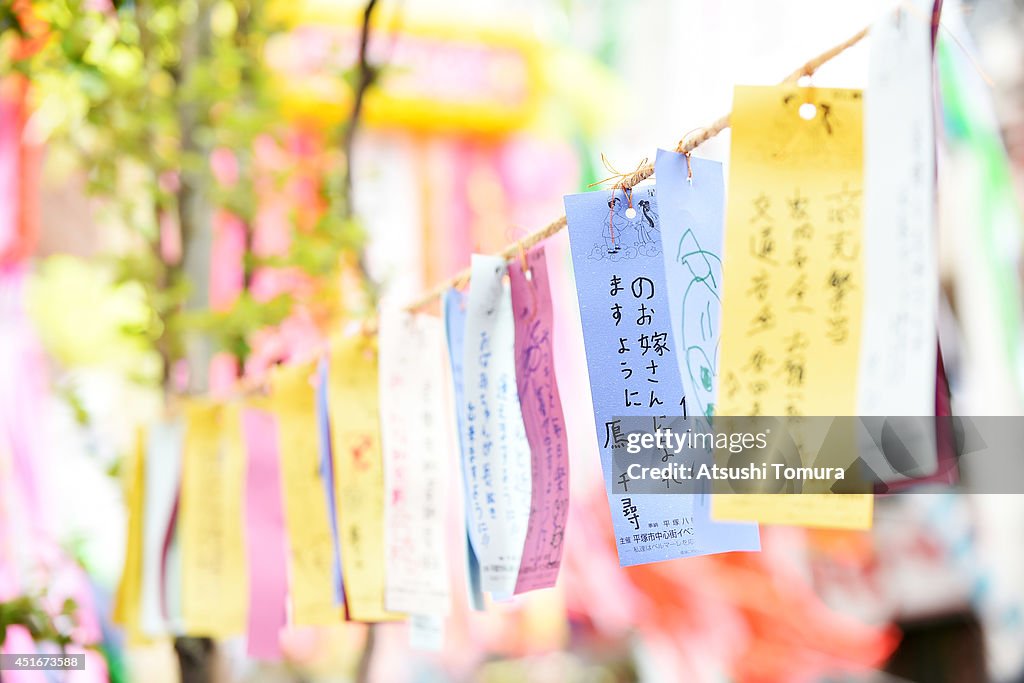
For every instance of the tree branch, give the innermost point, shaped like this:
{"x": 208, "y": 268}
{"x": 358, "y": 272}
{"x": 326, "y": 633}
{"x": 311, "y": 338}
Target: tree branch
{"x": 366, "y": 76}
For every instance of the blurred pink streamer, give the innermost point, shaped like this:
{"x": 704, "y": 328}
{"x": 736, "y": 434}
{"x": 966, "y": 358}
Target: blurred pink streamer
{"x": 26, "y": 535}
{"x": 10, "y": 178}
{"x": 22, "y": 396}
{"x": 264, "y": 512}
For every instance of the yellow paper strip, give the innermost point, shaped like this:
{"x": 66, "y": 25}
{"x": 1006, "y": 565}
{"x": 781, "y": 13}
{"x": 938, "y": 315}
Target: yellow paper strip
{"x": 820, "y": 510}
{"x": 793, "y": 286}
{"x": 215, "y": 588}
{"x": 359, "y": 475}
{"x": 310, "y": 543}
{"x": 127, "y": 604}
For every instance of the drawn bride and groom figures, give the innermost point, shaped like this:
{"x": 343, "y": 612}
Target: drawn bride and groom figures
{"x": 620, "y": 228}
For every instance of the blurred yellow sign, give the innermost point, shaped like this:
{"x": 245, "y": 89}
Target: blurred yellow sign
{"x": 434, "y": 78}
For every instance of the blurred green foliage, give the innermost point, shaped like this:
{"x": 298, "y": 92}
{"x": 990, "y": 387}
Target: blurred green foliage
{"x": 28, "y": 612}
{"x": 138, "y": 94}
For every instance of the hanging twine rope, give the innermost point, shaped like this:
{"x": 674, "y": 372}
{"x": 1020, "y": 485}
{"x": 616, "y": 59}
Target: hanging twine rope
{"x": 645, "y": 170}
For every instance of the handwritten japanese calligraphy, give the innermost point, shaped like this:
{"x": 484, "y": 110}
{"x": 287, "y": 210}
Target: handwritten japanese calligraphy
{"x": 901, "y": 284}
{"x": 454, "y": 305}
{"x": 633, "y": 370}
{"x": 497, "y": 452}
{"x": 793, "y": 289}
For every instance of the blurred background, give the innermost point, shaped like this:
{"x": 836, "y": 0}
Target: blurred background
{"x": 192, "y": 191}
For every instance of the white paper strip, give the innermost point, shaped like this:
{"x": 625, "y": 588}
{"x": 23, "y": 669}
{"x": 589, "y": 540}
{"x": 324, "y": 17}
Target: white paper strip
{"x": 497, "y": 453}
{"x": 162, "y": 476}
{"x": 898, "y": 341}
{"x": 426, "y": 632}
{"x": 417, "y": 467}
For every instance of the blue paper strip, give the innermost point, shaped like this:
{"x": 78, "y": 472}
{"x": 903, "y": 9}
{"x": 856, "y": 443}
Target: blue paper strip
{"x": 454, "y": 304}
{"x": 327, "y": 475}
{"x": 691, "y": 230}
{"x": 631, "y": 359}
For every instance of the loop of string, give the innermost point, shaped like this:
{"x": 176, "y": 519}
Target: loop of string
{"x": 624, "y": 182}
{"x": 524, "y": 266}
{"x": 528, "y": 276}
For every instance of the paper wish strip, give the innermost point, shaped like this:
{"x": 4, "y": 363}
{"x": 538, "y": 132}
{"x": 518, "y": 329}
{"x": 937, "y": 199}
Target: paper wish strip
{"x": 691, "y": 198}
{"x": 541, "y": 407}
{"x": 266, "y": 534}
{"x": 127, "y": 603}
{"x": 414, "y": 439}
{"x": 497, "y": 452}
{"x": 454, "y": 307}
{"x": 162, "y": 476}
{"x": 901, "y": 280}
{"x": 426, "y": 632}
{"x": 624, "y": 309}
{"x": 310, "y": 540}
{"x": 353, "y": 405}
{"x": 323, "y": 420}
{"x": 794, "y": 282}
{"x": 215, "y": 589}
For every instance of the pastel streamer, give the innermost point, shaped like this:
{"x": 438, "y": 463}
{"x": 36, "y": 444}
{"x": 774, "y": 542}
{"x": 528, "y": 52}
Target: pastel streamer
{"x": 310, "y": 541}
{"x": 162, "y": 474}
{"x": 901, "y": 279}
{"x": 214, "y": 580}
{"x": 497, "y": 452}
{"x": 416, "y": 456}
{"x": 327, "y": 476}
{"x": 541, "y": 407}
{"x": 265, "y": 531}
{"x": 454, "y": 306}
{"x": 127, "y": 602}
{"x": 353, "y": 407}
{"x": 426, "y": 632}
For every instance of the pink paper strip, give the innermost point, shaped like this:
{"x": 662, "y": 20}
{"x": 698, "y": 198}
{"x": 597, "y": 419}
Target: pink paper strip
{"x": 10, "y": 178}
{"x": 544, "y": 422}
{"x": 265, "y": 531}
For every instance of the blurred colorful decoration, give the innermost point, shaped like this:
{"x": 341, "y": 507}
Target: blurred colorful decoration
{"x": 437, "y": 78}
{"x": 46, "y": 602}
{"x": 19, "y": 160}
{"x": 219, "y": 139}
{"x": 989, "y": 253}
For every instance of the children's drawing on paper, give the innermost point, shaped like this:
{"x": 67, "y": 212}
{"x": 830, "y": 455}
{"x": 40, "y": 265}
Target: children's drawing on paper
{"x": 628, "y": 231}
{"x": 701, "y": 302}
